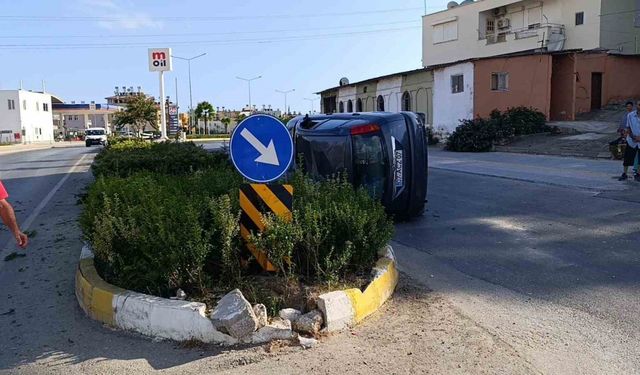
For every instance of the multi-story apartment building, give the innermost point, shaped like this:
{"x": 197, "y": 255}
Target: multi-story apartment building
{"x": 26, "y": 116}
{"x": 483, "y": 28}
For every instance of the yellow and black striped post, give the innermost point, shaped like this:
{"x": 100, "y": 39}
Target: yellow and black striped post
{"x": 257, "y": 200}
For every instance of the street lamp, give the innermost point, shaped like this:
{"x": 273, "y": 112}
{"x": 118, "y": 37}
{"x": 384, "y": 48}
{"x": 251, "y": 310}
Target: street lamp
{"x": 248, "y": 80}
{"x": 285, "y": 98}
{"x": 188, "y": 60}
{"x": 311, "y": 100}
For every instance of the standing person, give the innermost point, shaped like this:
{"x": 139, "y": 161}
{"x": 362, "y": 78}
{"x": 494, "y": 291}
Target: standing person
{"x": 9, "y": 218}
{"x": 622, "y": 131}
{"x": 633, "y": 143}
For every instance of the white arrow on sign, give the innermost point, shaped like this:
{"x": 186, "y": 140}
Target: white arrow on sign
{"x": 267, "y": 154}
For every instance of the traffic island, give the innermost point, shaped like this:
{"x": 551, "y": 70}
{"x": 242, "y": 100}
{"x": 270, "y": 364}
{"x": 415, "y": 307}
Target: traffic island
{"x": 234, "y": 320}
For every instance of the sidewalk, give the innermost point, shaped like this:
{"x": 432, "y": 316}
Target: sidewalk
{"x": 587, "y": 139}
{"x": 6, "y": 150}
{"x": 597, "y": 175}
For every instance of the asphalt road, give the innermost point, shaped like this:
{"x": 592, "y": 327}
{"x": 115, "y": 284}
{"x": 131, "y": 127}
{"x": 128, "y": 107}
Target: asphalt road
{"x": 542, "y": 253}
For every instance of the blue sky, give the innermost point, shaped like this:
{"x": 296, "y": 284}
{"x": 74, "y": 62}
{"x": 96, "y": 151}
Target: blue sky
{"x": 84, "y": 48}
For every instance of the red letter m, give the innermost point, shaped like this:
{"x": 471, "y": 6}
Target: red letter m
{"x": 158, "y": 56}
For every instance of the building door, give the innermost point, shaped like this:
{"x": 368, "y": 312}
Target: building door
{"x": 596, "y": 91}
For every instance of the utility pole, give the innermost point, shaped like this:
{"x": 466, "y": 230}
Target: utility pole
{"x": 311, "y": 100}
{"x": 286, "y": 110}
{"x": 248, "y": 80}
{"x": 188, "y": 60}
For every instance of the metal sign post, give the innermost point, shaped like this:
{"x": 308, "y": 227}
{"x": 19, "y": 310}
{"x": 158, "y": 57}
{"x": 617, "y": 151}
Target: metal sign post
{"x": 262, "y": 151}
{"x": 160, "y": 61}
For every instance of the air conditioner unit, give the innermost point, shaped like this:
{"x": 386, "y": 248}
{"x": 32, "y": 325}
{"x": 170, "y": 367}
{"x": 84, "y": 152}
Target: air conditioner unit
{"x": 504, "y": 23}
{"x": 500, "y": 11}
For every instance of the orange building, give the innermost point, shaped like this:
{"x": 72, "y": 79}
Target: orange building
{"x": 560, "y": 85}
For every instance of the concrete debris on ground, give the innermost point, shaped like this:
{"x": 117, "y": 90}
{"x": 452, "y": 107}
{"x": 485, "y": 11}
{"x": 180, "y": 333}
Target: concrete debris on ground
{"x": 309, "y": 323}
{"x": 307, "y": 343}
{"x": 234, "y": 315}
{"x": 278, "y": 329}
{"x": 260, "y": 311}
{"x": 290, "y": 314}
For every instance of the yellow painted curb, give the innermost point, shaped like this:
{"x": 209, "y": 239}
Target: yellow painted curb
{"x": 94, "y": 295}
{"x": 377, "y": 292}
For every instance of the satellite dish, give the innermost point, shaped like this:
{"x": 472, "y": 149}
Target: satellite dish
{"x": 344, "y": 81}
{"x": 452, "y": 4}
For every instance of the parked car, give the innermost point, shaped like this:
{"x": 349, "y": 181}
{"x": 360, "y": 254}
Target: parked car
{"x": 386, "y": 153}
{"x": 95, "y": 136}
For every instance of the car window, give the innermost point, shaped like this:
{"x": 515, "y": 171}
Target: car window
{"x": 369, "y": 164}
{"x": 95, "y": 132}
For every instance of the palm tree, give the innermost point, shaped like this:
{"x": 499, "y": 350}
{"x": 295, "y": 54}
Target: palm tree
{"x": 226, "y": 121}
{"x": 204, "y": 111}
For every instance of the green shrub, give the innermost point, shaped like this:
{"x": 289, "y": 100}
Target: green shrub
{"x": 336, "y": 230}
{"x": 525, "y": 120}
{"x": 153, "y": 233}
{"x": 133, "y": 156}
{"x": 476, "y": 135}
{"x": 479, "y": 135}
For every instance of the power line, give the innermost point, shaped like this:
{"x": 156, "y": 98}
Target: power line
{"x": 205, "y": 34}
{"x": 200, "y": 18}
{"x": 203, "y": 42}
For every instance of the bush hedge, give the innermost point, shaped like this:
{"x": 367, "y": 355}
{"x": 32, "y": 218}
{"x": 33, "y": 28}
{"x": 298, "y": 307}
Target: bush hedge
{"x": 155, "y": 228}
{"x": 133, "y": 156}
{"x": 479, "y": 135}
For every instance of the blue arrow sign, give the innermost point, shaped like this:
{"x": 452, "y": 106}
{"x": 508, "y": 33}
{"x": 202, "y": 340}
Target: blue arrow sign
{"x": 261, "y": 148}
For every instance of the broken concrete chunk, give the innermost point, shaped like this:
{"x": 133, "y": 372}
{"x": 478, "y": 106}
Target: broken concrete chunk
{"x": 290, "y": 314}
{"x": 278, "y": 329}
{"x": 260, "y": 311}
{"x": 234, "y": 315}
{"x": 310, "y": 322}
{"x": 337, "y": 309}
{"x": 307, "y": 343}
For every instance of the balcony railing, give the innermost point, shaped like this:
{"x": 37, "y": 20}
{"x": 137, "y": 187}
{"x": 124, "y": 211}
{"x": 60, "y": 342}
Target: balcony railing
{"x": 549, "y": 35}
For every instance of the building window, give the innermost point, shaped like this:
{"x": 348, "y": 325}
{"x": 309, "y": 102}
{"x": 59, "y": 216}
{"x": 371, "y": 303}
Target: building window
{"x": 11, "y": 103}
{"x": 37, "y": 106}
{"x": 349, "y": 106}
{"x": 499, "y": 81}
{"x": 579, "y": 18}
{"x": 380, "y": 106}
{"x": 491, "y": 27}
{"x": 445, "y": 32}
{"x": 341, "y": 107}
{"x": 457, "y": 83}
{"x": 75, "y": 118}
{"x": 45, "y": 107}
{"x": 359, "y": 105}
{"x": 406, "y": 101}
{"x": 24, "y": 105}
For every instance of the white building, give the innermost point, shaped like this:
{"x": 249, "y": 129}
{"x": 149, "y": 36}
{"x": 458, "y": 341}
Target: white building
{"x": 452, "y": 96}
{"x": 485, "y": 28}
{"x": 26, "y": 116}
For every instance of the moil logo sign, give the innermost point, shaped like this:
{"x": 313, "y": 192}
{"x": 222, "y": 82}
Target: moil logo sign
{"x": 159, "y": 59}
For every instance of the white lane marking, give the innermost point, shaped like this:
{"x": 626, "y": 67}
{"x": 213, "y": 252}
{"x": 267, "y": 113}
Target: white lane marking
{"x": 10, "y": 245}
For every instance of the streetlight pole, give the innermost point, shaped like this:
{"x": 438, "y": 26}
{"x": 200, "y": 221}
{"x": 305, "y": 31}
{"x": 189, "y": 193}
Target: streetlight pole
{"x": 248, "y": 80}
{"x": 188, "y": 60}
{"x": 285, "y": 98}
{"x": 311, "y": 100}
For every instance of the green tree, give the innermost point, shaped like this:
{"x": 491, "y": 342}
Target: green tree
{"x": 204, "y": 111}
{"x": 140, "y": 112}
